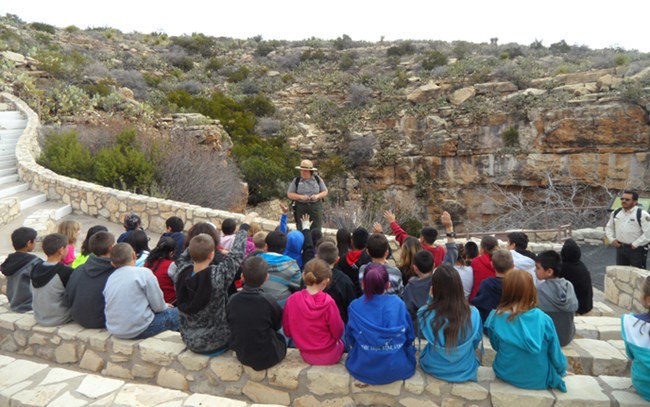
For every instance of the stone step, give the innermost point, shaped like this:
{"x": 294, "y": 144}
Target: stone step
{"x": 8, "y": 171}
{"x": 13, "y": 124}
{"x": 10, "y": 163}
{"x": 11, "y": 134}
{"x": 35, "y": 198}
{"x": 11, "y": 115}
{"x": 13, "y": 188}
{"x": 7, "y": 148}
{"x": 7, "y": 156}
{"x": 603, "y": 328}
{"x": 27, "y": 383}
{"x": 8, "y": 179}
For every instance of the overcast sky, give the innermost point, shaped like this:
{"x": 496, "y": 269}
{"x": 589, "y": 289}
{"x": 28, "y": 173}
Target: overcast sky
{"x": 595, "y": 23}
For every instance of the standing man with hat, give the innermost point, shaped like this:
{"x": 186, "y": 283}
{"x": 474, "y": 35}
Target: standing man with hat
{"x": 307, "y": 192}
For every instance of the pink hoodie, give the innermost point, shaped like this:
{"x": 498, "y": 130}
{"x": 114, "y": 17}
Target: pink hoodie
{"x": 314, "y": 323}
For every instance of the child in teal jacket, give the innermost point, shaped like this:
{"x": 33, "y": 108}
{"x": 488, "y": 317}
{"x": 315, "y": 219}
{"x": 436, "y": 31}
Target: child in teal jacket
{"x": 635, "y": 329}
{"x": 524, "y": 338}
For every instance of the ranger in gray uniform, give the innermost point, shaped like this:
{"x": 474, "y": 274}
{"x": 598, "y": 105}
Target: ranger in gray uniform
{"x": 307, "y": 193}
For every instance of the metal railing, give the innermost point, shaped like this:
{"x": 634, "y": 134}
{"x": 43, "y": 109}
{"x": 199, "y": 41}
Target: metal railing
{"x": 559, "y": 234}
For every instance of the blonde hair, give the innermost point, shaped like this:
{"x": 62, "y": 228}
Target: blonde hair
{"x": 69, "y": 229}
{"x": 254, "y": 228}
{"x": 316, "y": 271}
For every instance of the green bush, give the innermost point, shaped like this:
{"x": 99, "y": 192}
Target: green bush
{"x": 214, "y": 64}
{"x": 510, "y": 137}
{"x": 239, "y": 74}
{"x": 196, "y": 44}
{"x": 102, "y": 88}
{"x": 43, "y": 27}
{"x": 124, "y": 165}
{"x": 404, "y": 48}
{"x": 313, "y": 55}
{"x": 259, "y": 104}
{"x": 65, "y": 155}
{"x": 71, "y": 29}
{"x": 433, "y": 59}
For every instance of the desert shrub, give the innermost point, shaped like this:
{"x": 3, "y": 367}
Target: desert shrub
{"x": 214, "y": 64}
{"x": 131, "y": 79}
{"x": 64, "y": 100}
{"x": 71, "y": 29}
{"x": 358, "y": 95}
{"x": 263, "y": 48}
{"x": 403, "y": 48}
{"x": 249, "y": 87}
{"x": 238, "y": 74}
{"x": 331, "y": 167}
{"x": 259, "y": 104}
{"x": 343, "y": 42}
{"x": 198, "y": 175}
{"x": 43, "y": 27}
{"x": 61, "y": 65}
{"x": 65, "y": 155}
{"x": 196, "y": 44}
{"x": 314, "y": 54}
{"x": 96, "y": 70}
{"x": 360, "y": 151}
{"x": 510, "y": 137}
{"x": 267, "y": 126}
{"x": 193, "y": 87}
{"x": 347, "y": 60}
{"x": 433, "y": 59}
{"x": 560, "y": 47}
{"x": 124, "y": 165}
{"x": 103, "y": 87}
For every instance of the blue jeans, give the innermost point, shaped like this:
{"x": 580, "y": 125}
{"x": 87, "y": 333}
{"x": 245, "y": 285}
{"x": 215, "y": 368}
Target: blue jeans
{"x": 166, "y": 320}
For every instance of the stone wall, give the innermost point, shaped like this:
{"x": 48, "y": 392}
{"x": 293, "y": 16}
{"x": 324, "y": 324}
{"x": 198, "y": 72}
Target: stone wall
{"x": 598, "y": 366}
{"x": 623, "y": 287}
{"x": 9, "y": 210}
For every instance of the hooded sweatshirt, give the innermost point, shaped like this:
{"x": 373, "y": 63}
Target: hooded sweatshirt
{"x": 525, "y": 263}
{"x": 314, "y": 323}
{"x": 635, "y": 330}
{"x": 528, "y": 350}
{"x": 460, "y": 363}
{"x": 482, "y": 268}
{"x": 577, "y": 273}
{"x": 48, "y": 288}
{"x": 488, "y": 296}
{"x": 179, "y": 238}
{"x": 342, "y": 292}
{"x": 380, "y": 336}
{"x": 201, "y": 298}
{"x": 295, "y": 240}
{"x": 254, "y": 318}
{"x": 17, "y": 268}
{"x": 284, "y": 276}
{"x": 558, "y": 300}
{"x": 350, "y": 265}
{"x": 85, "y": 292}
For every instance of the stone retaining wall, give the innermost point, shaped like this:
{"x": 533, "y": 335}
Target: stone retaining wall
{"x": 623, "y": 287}
{"x": 9, "y": 210}
{"x": 164, "y": 361}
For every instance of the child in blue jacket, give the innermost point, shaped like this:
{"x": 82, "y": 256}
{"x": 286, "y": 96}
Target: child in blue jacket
{"x": 379, "y": 333}
{"x": 524, "y": 337}
{"x": 452, "y": 328}
{"x": 635, "y": 329}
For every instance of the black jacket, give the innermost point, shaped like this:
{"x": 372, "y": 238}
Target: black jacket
{"x": 341, "y": 290}
{"x": 254, "y": 319}
{"x": 85, "y": 291}
{"x": 577, "y": 273}
{"x": 350, "y": 265}
{"x": 488, "y": 296}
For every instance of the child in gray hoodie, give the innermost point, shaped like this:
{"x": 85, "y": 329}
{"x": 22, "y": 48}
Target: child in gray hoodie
{"x": 556, "y": 295}
{"x": 17, "y": 268}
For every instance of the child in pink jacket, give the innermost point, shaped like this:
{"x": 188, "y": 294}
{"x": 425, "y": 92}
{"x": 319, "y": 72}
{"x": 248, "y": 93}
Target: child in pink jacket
{"x": 312, "y": 319}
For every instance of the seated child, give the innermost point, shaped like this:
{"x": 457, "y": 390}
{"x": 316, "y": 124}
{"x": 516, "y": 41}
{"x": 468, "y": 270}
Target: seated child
{"x": 228, "y": 227}
{"x": 379, "y": 333}
{"x": 48, "y": 283}
{"x": 524, "y": 338}
{"x": 85, "y": 246}
{"x": 17, "y": 268}
{"x": 356, "y": 257}
{"x": 428, "y": 236}
{"x": 452, "y": 328}
{"x": 259, "y": 240}
{"x": 86, "y": 285}
{"x": 201, "y": 292}
{"x": 312, "y": 319}
{"x": 70, "y": 229}
{"x": 463, "y": 266}
{"x": 284, "y": 273}
{"x": 482, "y": 265}
{"x": 489, "y": 293}
{"x": 635, "y": 329}
{"x": 377, "y": 247}
{"x": 131, "y": 222}
{"x": 574, "y": 270}
{"x": 556, "y": 295}
{"x": 158, "y": 261}
{"x": 250, "y": 243}
{"x": 135, "y": 307}
{"x": 340, "y": 288}
{"x": 174, "y": 229}
{"x": 140, "y": 244}
{"x": 417, "y": 291}
{"x": 254, "y": 318}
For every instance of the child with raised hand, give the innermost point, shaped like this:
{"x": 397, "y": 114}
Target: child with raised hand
{"x": 71, "y": 230}
{"x": 254, "y": 318}
{"x": 85, "y": 246}
{"x": 524, "y": 338}
{"x": 452, "y": 328}
{"x": 379, "y": 333}
{"x": 158, "y": 261}
{"x": 635, "y": 329}
{"x": 312, "y": 319}
{"x": 48, "y": 283}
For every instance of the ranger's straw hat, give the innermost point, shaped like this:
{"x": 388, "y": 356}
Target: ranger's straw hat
{"x": 307, "y": 165}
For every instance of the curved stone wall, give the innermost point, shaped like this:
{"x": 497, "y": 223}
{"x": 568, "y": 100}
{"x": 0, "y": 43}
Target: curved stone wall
{"x": 623, "y": 287}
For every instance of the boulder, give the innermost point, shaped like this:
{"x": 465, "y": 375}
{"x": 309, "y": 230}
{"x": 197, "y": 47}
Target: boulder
{"x": 14, "y": 57}
{"x": 425, "y": 93}
{"x": 461, "y": 95}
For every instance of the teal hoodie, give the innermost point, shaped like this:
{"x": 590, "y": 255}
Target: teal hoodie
{"x": 528, "y": 350}
{"x": 461, "y": 363}
{"x": 636, "y": 334}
